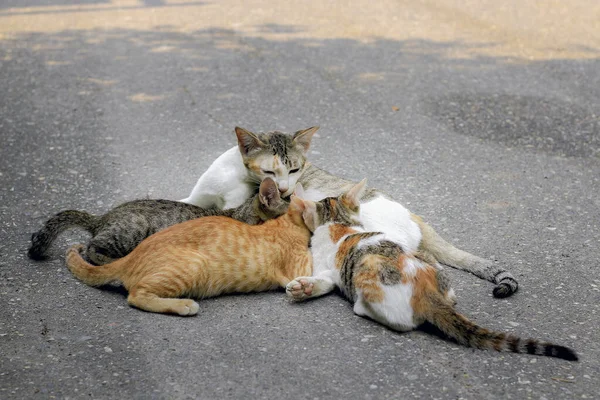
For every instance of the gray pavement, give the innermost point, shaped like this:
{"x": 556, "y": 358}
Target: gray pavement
{"x": 482, "y": 117}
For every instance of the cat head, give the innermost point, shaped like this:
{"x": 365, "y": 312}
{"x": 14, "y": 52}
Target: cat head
{"x": 276, "y": 155}
{"x": 268, "y": 203}
{"x": 343, "y": 209}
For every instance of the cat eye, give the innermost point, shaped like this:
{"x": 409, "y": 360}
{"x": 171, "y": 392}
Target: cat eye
{"x": 268, "y": 172}
{"x": 293, "y": 171}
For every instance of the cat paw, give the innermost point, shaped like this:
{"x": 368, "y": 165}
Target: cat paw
{"x": 187, "y": 307}
{"x": 76, "y": 249}
{"x": 300, "y": 288}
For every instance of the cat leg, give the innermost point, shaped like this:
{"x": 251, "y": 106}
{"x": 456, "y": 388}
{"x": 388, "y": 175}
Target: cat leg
{"x": 204, "y": 200}
{"x": 447, "y": 254}
{"x": 393, "y": 315}
{"x": 305, "y": 287}
{"x": 237, "y": 197}
{"x": 148, "y": 301}
{"x": 203, "y": 194}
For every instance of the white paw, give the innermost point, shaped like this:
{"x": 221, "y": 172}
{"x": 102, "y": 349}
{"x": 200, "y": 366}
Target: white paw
{"x": 300, "y": 288}
{"x": 189, "y": 307}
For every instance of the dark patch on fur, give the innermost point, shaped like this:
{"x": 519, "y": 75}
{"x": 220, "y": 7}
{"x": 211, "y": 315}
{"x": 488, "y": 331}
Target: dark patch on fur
{"x": 513, "y": 343}
{"x": 443, "y": 282}
{"x": 389, "y": 274}
{"x": 531, "y": 346}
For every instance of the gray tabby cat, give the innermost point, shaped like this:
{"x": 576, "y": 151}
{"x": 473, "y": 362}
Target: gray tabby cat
{"x": 380, "y": 213}
{"x": 116, "y": 233}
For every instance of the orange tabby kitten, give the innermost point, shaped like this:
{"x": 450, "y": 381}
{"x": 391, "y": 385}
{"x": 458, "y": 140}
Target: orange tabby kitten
{"x": 206, "y": 257}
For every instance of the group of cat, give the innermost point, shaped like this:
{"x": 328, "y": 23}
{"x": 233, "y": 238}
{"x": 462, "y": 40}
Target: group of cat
{"x": 304, "y": 230}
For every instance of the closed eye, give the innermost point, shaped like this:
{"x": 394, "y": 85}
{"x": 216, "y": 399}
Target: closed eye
{"x": 268, "y": 172}
{"x": 293, "y": 171}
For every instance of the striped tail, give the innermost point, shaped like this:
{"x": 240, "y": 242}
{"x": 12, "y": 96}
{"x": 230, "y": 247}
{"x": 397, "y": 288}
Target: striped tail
{"x": 467, "y": 333}
{"x": 91, "y": 274}
{"x": 41, "y": 240}
{"x": 447, "y": 254}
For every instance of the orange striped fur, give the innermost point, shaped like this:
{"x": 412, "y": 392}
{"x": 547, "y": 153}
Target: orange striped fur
{"x": 205, "y": 257}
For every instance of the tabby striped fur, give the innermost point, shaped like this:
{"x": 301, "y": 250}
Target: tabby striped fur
{"x": 116, "y": 233}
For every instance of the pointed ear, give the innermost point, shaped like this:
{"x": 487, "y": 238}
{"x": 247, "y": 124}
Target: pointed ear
{"x": 351, "y": 198}
{"x": 303, "y": 137}
{"x": 309, "y": 215}
{"x": 247, "y": 141}
{"x": 297, "y": 204}
{"x": 268, "y": 193}
{"x": 299, "y": 190}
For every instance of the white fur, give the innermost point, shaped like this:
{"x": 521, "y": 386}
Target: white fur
{"x": 394, "y": 311}
{"x": 371, "y": 241}
{"x": 393, "y": 219}
{"x": 323, "y": 250}
{"x": 224, "y": 184}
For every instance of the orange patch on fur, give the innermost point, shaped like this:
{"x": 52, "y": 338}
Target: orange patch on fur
{"x": 344, "y": 249}
{"x": 336, "y": 231}
{"x": 348, "y": 204}
{"x": 424, "y": 281}
{"x": 367, "y": 279}
{"x": 253, "y": 165}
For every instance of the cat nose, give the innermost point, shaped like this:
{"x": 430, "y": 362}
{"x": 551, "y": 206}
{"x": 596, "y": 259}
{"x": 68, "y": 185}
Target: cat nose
{"x": 283, "y": 188}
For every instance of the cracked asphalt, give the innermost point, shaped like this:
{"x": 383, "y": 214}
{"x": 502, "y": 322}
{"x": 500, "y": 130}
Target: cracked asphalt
{"x": 483, "y": 117}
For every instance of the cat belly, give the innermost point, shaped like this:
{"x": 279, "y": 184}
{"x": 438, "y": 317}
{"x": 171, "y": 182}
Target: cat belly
{"x": 393, "y": 219}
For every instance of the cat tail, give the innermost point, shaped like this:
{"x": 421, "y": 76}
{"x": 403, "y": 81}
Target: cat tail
{"x": 464, "y": 331}
{"x": 91, "y": 274}
{"x": 42, "y": 239}
{"x": 445, "y": 253}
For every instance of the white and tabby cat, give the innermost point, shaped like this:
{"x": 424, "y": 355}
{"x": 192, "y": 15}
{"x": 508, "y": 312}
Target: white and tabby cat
{"x": 233, "y": 176}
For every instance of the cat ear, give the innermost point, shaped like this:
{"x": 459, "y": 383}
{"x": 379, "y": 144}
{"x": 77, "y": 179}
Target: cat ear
{"x": 303, "y": 137}
{"x": 309, "y": 215}
{"x": 351, "y": 198}
{"x": 299, "y": 190}
{"x": 247, "y": 141}
{"x": 297, "y": 204}
{"x": 268, "y": 193}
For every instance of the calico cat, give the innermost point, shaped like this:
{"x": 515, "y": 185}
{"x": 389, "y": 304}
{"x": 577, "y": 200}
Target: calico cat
{"x": 389, "y": 285}
{"x": 379, "y": 212}
{"x": 206, "y": 257}
{"x": 235, "y": 175}
{"x": 116, "y": 233}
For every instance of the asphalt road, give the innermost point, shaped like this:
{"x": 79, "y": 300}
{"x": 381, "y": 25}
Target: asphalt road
{"x": 482, "y": 116}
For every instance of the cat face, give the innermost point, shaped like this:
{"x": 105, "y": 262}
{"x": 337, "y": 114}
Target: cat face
{"x": 343, "y": 209}
{"x": 275, "y": 155}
